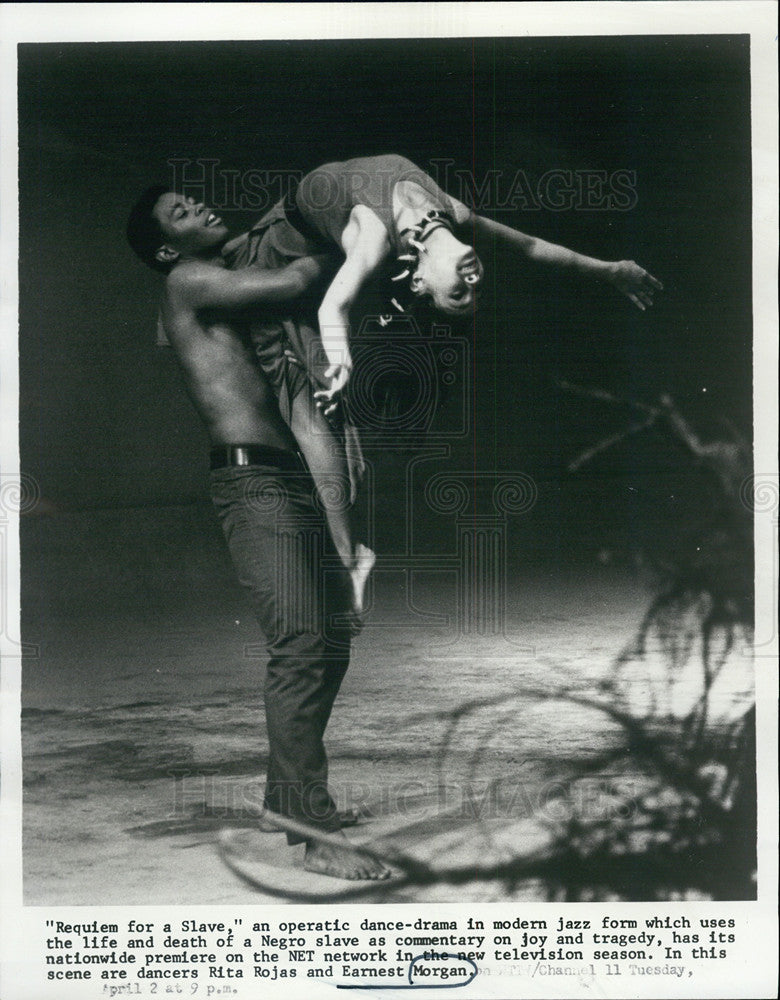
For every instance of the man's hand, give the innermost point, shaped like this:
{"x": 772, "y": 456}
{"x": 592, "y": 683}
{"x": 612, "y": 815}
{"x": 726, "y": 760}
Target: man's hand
{"x": 634, "y": 282}
{"x": 328, "y": 399}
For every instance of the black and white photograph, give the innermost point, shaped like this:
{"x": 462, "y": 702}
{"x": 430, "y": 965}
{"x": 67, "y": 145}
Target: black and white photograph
{"x": 388, "y": 490}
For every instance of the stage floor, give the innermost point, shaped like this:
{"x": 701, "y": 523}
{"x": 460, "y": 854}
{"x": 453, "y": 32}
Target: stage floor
{"x": 141, "y": 743}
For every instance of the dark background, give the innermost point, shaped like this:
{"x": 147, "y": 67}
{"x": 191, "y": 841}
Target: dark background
{"x": 105, "y": 426}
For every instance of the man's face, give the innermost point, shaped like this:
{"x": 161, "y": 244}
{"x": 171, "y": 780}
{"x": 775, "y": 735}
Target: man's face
{"x": 188, "y": 226}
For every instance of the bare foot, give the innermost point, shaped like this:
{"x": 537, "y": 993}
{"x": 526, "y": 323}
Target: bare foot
{"x": 358, "y": 575}
{"x": 347, "y": 862}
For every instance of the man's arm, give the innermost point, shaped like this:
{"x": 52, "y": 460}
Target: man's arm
{"x": 626, "y": 276}
{"x": 207, "y": 286}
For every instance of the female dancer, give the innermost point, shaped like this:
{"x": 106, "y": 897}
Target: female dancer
{"x": 377, "y": 211}
{"x": 383, "y": 209}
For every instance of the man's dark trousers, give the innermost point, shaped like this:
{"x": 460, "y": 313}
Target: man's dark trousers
{"x": 282, "y": 553}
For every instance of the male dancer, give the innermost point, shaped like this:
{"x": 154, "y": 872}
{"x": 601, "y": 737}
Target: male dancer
{"x": 258, "y": 484}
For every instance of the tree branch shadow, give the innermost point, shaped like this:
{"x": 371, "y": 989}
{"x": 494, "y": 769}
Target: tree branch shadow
{"x": 676, "y": 816}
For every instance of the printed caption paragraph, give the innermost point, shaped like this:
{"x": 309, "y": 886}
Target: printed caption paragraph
{"x": 215, "y": 958}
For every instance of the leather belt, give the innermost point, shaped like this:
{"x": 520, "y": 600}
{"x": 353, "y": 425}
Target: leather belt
{"x": 235, "y": 456}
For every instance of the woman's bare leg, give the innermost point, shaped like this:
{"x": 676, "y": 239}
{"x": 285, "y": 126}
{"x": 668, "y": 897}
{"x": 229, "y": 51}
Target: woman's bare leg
{"x": 327, "y": 463}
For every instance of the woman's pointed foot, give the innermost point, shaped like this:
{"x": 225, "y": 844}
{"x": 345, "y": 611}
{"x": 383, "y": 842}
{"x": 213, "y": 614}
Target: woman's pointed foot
{"x": 358, "y": 575}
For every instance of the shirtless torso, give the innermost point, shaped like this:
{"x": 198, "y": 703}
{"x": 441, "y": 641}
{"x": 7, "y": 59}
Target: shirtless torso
{"x": 215, "y": 353}
{"x": 221, "y": 376}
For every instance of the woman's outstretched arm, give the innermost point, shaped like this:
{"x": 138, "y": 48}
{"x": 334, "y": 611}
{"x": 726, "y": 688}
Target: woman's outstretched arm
{"x": 626, "y": 276}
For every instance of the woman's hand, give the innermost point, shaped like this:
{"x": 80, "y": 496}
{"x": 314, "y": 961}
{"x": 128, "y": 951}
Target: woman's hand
{"x": 328, "y": 399}
{"x": 634, "y": 282}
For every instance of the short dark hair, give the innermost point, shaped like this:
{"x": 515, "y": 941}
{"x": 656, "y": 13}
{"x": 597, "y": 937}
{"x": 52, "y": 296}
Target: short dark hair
{"x": 143, "y": 231}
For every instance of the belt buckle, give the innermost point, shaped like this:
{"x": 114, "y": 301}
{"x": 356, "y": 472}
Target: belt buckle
{"x": 240, "y": 456}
